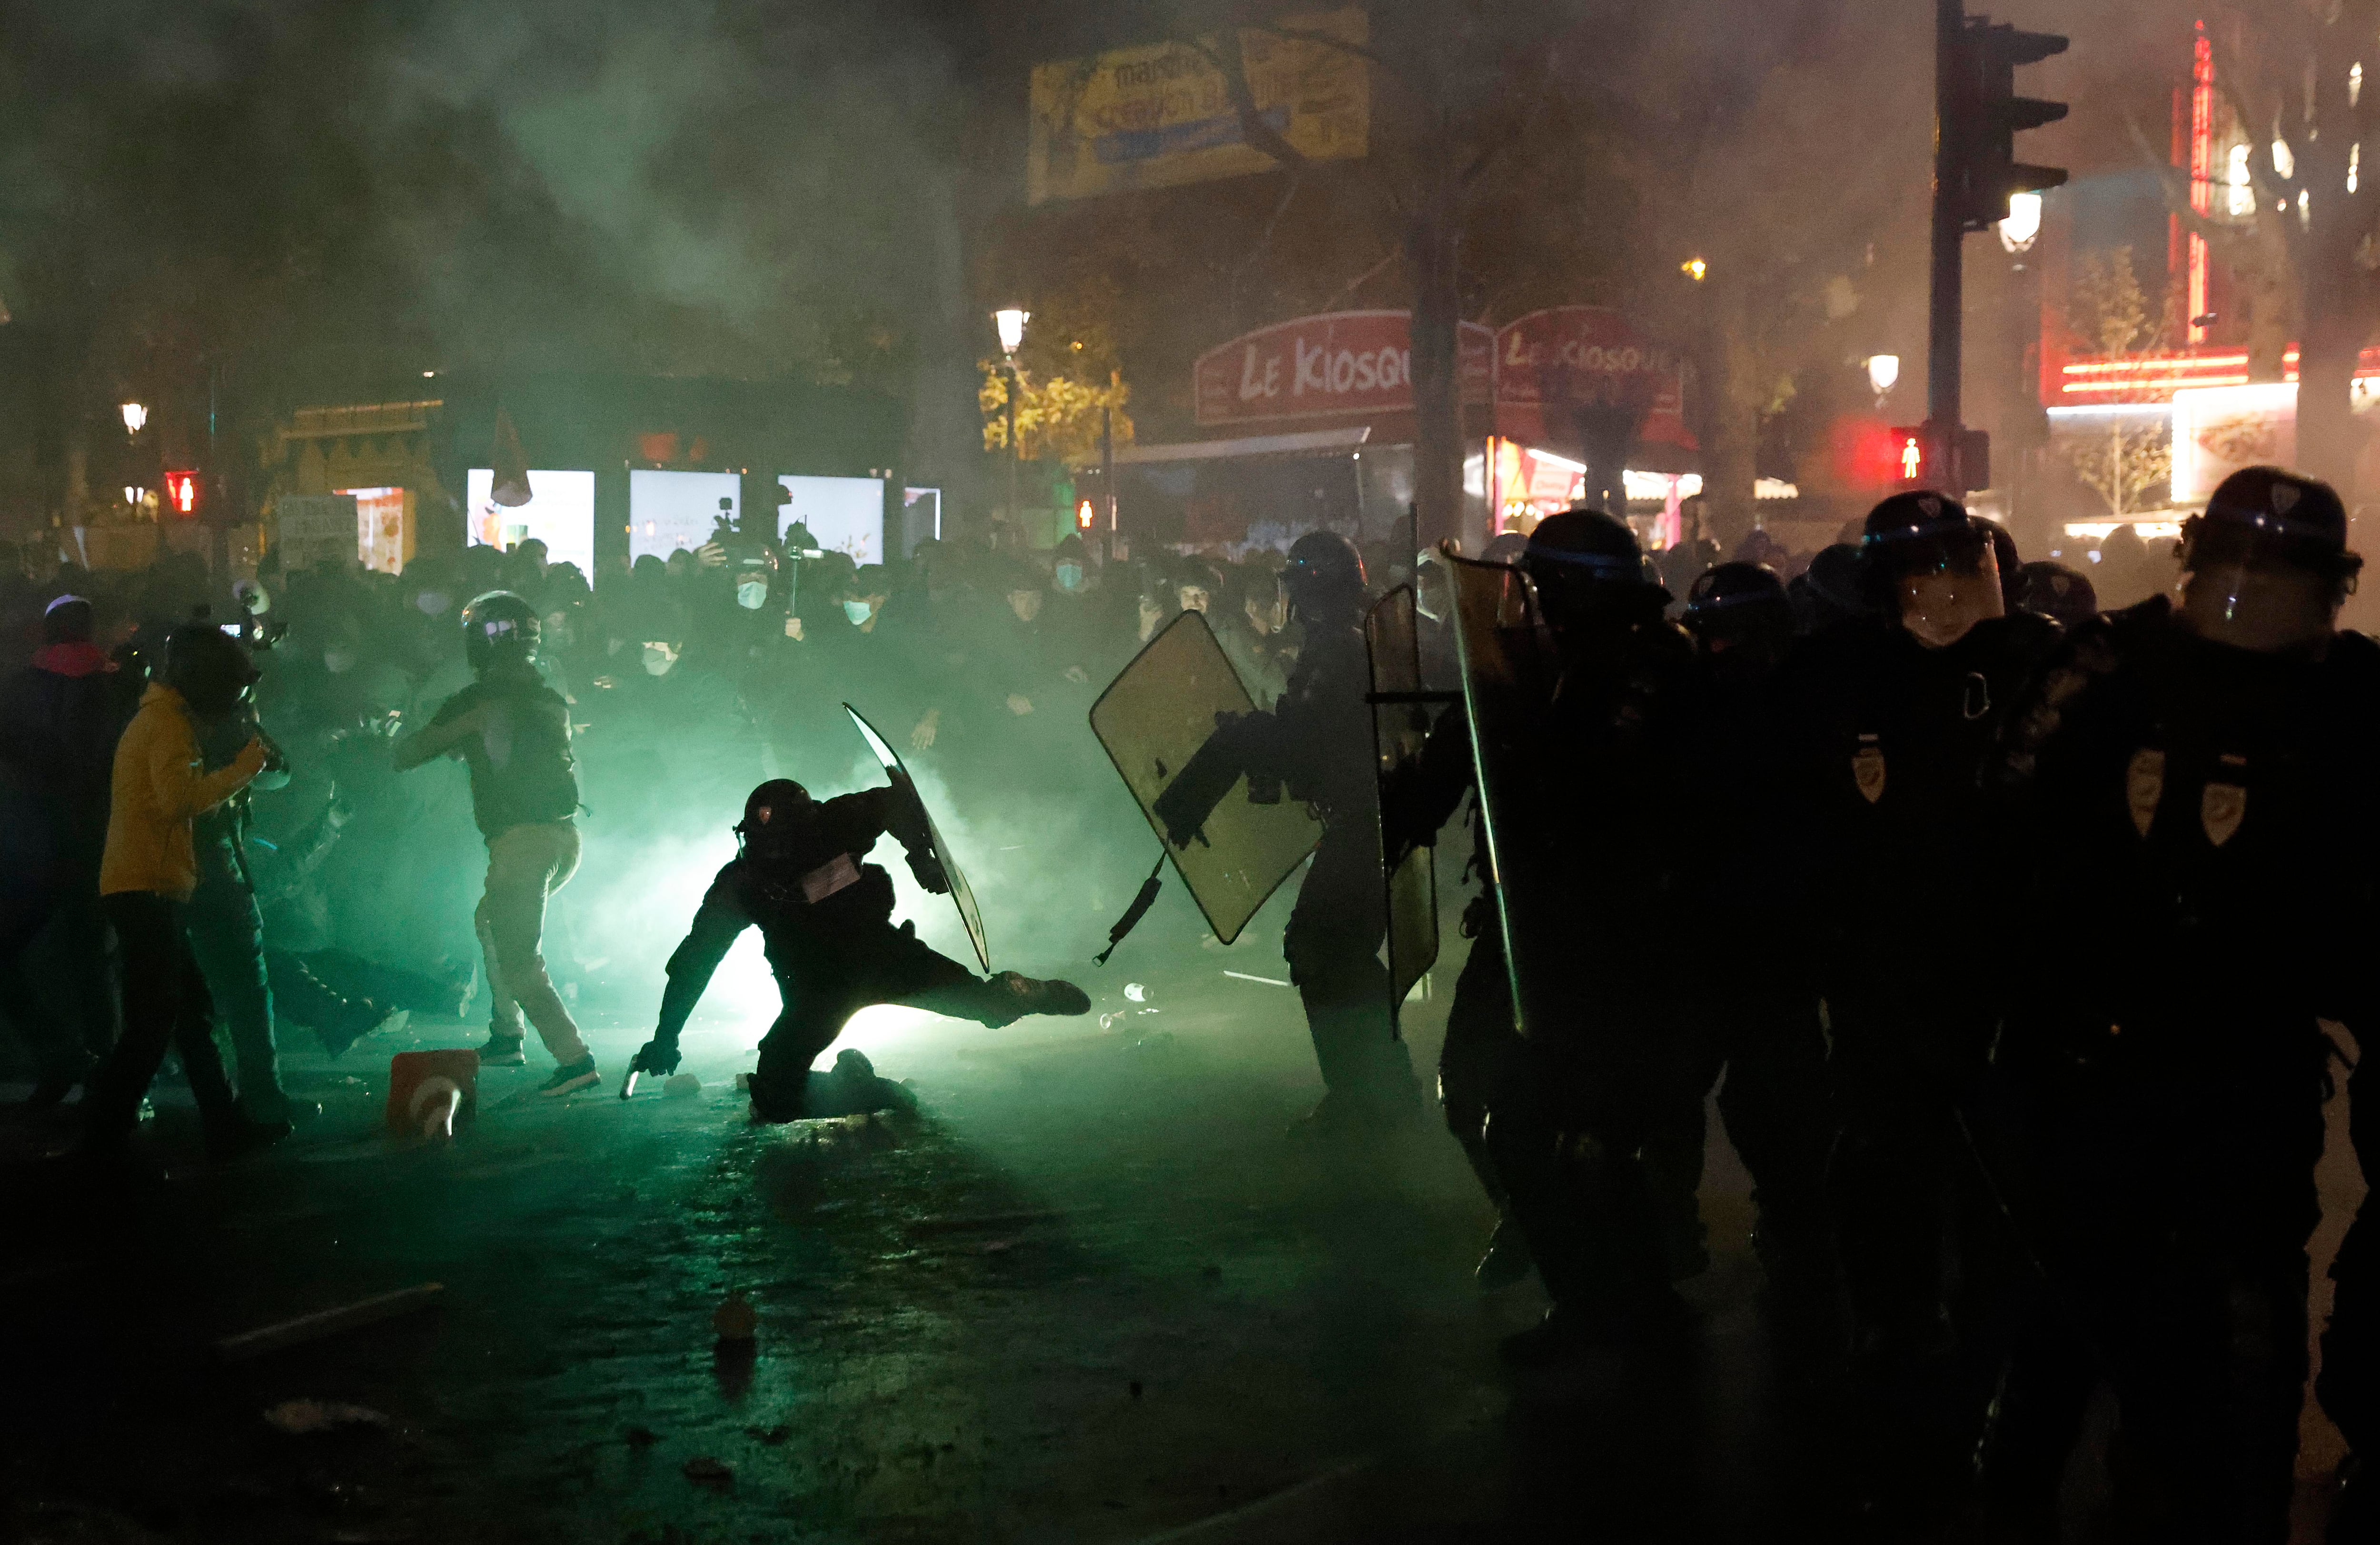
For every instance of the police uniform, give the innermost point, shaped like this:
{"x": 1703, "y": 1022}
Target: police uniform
{"x": 2201, "y": 891}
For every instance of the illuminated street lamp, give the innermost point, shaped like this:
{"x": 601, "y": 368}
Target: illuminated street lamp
{"x": 1011, "y": 321}
{"x": 1694, "y": 269}
{"x": 2022, "y": 227}
{"x": 1883, "y": 374}
{"x": 134, "y": 415}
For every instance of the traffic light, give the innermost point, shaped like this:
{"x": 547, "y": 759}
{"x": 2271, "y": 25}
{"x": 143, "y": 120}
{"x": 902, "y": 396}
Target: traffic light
{"x": 1981, "y": 115}
{"x": 184, "y": 493}
{"x": 1929, "y": 456}
{"x": 1084, "y": 516}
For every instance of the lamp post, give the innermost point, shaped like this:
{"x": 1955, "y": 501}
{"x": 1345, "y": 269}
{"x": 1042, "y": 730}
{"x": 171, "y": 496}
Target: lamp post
{"x": 1011, "y": 321}
{"x": 2018, "y": 234}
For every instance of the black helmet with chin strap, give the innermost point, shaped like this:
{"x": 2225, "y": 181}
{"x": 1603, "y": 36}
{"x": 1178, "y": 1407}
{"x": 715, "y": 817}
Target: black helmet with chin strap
{"x": 2263, "y": 515}
{"x": 772, "y": 810}
{"x": 499, "y": 628}
{"x": 1324, "y": 574}
{"x": 1586, "y": 564}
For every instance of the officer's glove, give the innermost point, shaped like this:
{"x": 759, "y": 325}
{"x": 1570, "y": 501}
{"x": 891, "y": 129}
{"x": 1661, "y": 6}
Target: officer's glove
{"x": 656, "y": 1056}
{"x": 928, "y": 869}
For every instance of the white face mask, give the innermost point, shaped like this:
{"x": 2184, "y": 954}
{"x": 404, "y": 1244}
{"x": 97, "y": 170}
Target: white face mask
{"x": 658, "y": 660}
{"x": 431, "y": 603}
{"x": 1070, "y": 576}
{"x": 752, "y": 594}
{"x": 858, "y": 611}
{"x": 338, "y": 662}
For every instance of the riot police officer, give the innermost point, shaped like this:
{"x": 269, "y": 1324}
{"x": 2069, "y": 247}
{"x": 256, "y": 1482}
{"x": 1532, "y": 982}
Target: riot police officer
{"x": 1885, "y": 724}
{"x": 2193, "y": 783}
{"x": 1751, "y": 1004}
{"x": 1575, "y": 1112}
{"x": 1316, "y": 745}
{"x": 825, "y": 917}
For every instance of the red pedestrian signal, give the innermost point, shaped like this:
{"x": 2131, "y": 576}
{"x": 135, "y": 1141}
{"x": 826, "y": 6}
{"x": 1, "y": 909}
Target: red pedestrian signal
{"x": 1910, "y": 457}
{"x": 182, "y": 494}
{"x": 1083, "y": 516}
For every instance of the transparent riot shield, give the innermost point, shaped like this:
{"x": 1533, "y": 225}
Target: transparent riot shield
{"x": 1507, "y": 679}
{"x": 1152, "y": 721}
{"x": 1400, "y": 726}
{"x": 960, "y": 894}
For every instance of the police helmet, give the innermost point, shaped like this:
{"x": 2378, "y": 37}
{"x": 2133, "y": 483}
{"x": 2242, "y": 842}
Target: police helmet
{"x": 2054, "y": 590}
{"x": 1738, "y": 598}
{"x": 2263, "y": 515}
{"x": 770, "y": 809}
{"x": 1582, "y": 544}
{"x": 1325, "y": 574}
{"x": 499, "y": 628}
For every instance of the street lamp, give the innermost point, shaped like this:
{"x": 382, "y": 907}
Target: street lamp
{"x": 1011, "y": 321}
{"x": 1883, "y": 374}
{"x": 1694, "y": 269}
{"x": 134, "y": 415}
{"x": 2022, "y": 227}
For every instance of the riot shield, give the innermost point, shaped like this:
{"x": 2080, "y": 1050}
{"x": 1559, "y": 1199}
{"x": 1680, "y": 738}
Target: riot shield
{"x": 1152, "y": 721}
{"x": 1507, "y": 670}
{"x": 1400, "y": 726}
{"x": 961, "y": 892}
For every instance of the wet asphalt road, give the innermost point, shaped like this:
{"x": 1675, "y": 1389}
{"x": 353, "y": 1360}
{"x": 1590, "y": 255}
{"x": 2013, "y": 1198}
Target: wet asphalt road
{"x": 1089, "y": 1292}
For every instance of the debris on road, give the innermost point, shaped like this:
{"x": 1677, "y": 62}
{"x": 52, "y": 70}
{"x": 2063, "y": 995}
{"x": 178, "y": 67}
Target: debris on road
{"x": 312, "y": 1327}
{"x": 735, "y": 1319}
{"x": 682, "y": 1084}
{"x": 299, "y": 1417}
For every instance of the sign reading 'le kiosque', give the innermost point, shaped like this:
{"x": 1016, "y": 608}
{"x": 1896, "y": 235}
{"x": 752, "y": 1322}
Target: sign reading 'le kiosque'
{"x": 1317, "y": 367}
{"x": 1163, "y": 115}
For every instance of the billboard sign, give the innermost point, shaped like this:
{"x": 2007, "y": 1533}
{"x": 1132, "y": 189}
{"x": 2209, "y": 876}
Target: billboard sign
{"x": 1564, "y": 359}
{"x": 2221, "y": 430}
{"x": 847, "y": 515}
{"x": 1333, "y": 365}
{"x": 311, "y": 529}
{"x": 560, "y": 512}
{"x": 670, "y": 510}
{"x": 1163, "y": 115}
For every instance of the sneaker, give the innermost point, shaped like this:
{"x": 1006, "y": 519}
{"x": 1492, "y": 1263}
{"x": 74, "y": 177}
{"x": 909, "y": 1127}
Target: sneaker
{"x": 502, "y": 1051}
{"x": 580, "y": 1074}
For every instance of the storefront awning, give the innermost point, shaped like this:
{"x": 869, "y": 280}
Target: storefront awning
{"x": 1307, "y": 442}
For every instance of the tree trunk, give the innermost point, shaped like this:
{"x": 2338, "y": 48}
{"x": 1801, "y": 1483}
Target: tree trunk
{"x": 1437, "y": 365}
{"x": 1731, "y": 452}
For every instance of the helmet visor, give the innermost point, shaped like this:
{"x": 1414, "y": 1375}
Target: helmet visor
{"x": 2259, "y": 603}
{"x": 1945, "y": 588}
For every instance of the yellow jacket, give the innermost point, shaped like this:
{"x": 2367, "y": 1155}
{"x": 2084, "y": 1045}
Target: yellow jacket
{"x": 157, "y": 789}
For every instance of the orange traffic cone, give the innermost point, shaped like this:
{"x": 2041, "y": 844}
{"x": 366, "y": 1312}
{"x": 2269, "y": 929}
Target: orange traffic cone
{"x": 428, "y": 1091}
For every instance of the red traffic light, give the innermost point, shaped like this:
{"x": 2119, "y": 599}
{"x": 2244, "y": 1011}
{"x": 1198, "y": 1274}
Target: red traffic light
{"x": 1910, "y": 455}
{"x": 1085, "y": 518}
{"x": 182, "y": 494}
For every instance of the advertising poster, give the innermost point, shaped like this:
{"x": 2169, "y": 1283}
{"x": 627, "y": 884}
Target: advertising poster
{"x": 670, "y": 510}
{"x": 379, "y": 528}
{"x": 561, "y": 514}
{"x": 1163, "y": 115}
{"x": 847, "y": 515}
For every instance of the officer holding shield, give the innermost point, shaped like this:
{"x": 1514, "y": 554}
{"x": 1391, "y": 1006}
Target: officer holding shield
{"x": 1316, "y": 745}
{"x": 825, "y": 915}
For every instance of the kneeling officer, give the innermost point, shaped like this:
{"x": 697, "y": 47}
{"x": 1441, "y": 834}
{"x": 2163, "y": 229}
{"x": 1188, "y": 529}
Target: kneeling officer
{"x": 825, "y": 917}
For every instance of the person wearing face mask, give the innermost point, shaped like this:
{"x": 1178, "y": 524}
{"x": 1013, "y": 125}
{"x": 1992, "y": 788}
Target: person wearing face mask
{"x": 1885, "y": 725}
{"x": 513, "y": 732}
{"x": 2193, "y": 780}
{"x": 146, "y": 880}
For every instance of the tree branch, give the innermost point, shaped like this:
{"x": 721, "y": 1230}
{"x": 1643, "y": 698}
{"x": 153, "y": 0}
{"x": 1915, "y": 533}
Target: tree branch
{"x": 1258, "y": 134}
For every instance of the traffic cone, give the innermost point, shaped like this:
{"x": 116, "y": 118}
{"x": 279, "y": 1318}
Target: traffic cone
{"x": 428, "y": 1091}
